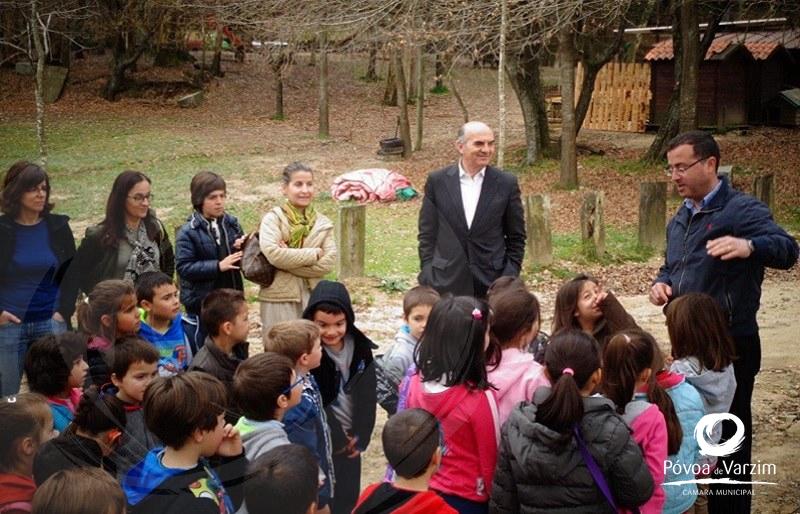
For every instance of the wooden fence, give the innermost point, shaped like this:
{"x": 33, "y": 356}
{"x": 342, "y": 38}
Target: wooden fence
{"x": 621, "y": 98}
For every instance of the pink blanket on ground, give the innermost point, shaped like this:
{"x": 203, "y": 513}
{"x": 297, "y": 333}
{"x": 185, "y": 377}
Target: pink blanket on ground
{"x": 368, "y": 185}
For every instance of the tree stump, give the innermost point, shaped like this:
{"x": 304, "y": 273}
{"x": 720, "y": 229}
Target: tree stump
{"x": 764, "y": 190}
{"x": 652, "y": 215}
{"x": 727, "y": 172}
{"x": 593, "y": 230}
{"x": 54, "y": 79}
{"x": 191, "y": 100}
{"x": 351, "y": 241}
{"x": 540, "y": 238}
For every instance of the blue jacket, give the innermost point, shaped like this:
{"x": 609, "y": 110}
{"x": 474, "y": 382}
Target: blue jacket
{"x": 197, "y": 259}
{"x": 689, "y": 408}
{"x": 736, "y": 283}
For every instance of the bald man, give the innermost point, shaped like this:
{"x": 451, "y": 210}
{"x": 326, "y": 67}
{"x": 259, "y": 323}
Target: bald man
{"x": 471, "y": 225}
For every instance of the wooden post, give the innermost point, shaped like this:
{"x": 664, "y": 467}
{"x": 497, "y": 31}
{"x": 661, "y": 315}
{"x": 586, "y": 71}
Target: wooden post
{"x": 652, "y": 215}
{"x": 351, "y": 241}
{"x": 540, "y": 239}
{"x": 593, "y": 230}
{"x": 764, "y": 190}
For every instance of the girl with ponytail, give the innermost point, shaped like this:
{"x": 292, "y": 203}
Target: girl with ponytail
{"x": 542, "y": 464}
{"x": 630, "y": 362}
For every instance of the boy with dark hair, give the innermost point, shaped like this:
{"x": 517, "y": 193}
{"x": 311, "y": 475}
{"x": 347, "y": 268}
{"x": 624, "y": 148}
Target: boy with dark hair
{"x": 392, "y": 366}
{"x": 412, "y": 444}
{"x": 186, "y": 413}
{"x": 306, "y": 424}
{"x": 207, "y": 251}
{"x": 161, "y": 321}
{"x": 282, "y": 480}
{"x": 346, "y": 378}
{"x": 225, "y": 316}
{"x": 133, "y": 364}
{"x": 56, "y": 368}
{"x": 264, "y": 388}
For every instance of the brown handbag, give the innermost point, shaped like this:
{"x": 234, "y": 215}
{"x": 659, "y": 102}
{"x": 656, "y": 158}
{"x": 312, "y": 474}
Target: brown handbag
{"x": 255, "y": 266}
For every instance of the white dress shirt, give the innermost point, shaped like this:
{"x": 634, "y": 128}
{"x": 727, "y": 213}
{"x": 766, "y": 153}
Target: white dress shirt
{"x": 470, "y": 191}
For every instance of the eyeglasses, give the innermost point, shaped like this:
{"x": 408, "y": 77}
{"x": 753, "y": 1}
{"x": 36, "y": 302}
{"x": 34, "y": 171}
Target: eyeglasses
{"x": 140, "y": 198}
{"x": 681, "y": 169}
{"x": 297, "y": 382}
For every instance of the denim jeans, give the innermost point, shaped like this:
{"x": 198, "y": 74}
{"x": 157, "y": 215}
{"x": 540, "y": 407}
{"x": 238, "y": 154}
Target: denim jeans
{"x": 15, "y": 339}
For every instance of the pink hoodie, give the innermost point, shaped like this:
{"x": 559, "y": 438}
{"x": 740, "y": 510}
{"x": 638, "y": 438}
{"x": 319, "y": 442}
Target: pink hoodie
{"x": 649, "y": 430}
{"x": 516, "y": 378}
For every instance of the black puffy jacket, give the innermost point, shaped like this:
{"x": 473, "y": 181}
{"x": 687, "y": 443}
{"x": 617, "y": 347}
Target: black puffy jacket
{"x": 197, "y": 259}
{"x": 537, "y": 473}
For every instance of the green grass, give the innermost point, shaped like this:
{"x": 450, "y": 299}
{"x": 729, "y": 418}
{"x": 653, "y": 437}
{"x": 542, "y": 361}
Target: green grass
{"x": 621, "y": 246}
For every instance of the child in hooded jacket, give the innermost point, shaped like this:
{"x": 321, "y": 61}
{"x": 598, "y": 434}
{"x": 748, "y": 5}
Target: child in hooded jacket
{"x": 514, "y": 374}
{"x": 629, "y": 381}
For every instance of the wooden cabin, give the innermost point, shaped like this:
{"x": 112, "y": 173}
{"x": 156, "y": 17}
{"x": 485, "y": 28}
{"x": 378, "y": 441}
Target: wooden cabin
{"x": 740, "y": 77}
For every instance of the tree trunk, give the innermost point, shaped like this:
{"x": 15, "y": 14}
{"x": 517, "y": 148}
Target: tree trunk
{"x": 324, "y": 127}
{"x": 390, "y": 91}
{"x": 457, "y": 96}
{"x": 279, "y": 94}
{"x": 40, "y": 61}
{"x": 690, "y": 63}
{"x": 372, "y": 74}
{"x": 409, "y": 73}
{"x": 590, "y": 71}
{"x": 439, "y": 71}
{"x": 525, "y": 78}
{"x": 501, "y": 86}
{"x": 569, "y": 159}
{"x": 402, "y": 103}
{"x": 216, "y": 62}
{"x": 420, "y": 76}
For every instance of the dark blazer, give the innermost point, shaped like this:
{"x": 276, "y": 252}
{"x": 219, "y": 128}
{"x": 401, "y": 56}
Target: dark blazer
{"x": 465, "y": 261}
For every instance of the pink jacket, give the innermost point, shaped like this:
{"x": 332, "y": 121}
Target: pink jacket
{"x": 516, "y": 378}
{"x": 468, "y": 419}
{"x": 650, "y": 433}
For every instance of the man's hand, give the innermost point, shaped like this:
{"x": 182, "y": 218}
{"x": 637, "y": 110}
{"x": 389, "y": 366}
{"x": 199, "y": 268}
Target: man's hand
{"x": 6, "y": 318}
{"x": 660, "y": 293}
{"x": 728, "y": 247}
{"x": 237, "y": 245}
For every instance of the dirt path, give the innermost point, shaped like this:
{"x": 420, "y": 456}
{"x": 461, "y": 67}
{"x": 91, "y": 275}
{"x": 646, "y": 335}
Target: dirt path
{"x": 776, "y": 402}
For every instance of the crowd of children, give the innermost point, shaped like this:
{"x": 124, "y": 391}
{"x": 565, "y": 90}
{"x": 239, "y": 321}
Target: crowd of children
{"x": 145, "y": 410}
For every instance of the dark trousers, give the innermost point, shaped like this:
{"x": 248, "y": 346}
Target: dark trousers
{"x": 464, "y": 506}
{"x": 348, "y": 483}
{"x": 737, "y": 498}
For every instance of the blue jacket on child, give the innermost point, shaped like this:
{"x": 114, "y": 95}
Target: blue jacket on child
{"x": 689, "y": 408}
{"x": 197, "y": 257}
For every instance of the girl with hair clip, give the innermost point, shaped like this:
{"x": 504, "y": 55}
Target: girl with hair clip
{"x": 25, "y": 424}
{"x": 108, "y": 313}
{"x": 583, "y": 304}
{"x": 128, "y": 242}
{"x": 703, "y": 351}
{"x": 516, "y": 375}
{"x": 629, "y": 380}
{"x": 88, "y": 441}
{"x": 451, "y": 384}
{"x": 568, "y": 450}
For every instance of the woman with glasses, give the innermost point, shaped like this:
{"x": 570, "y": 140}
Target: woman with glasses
{"x": 129, "y": 241}
{"x": 36, "y": 248}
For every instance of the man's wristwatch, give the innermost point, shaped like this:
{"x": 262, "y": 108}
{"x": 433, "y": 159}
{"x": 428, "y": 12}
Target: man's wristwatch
{"x": 751, "y": 246}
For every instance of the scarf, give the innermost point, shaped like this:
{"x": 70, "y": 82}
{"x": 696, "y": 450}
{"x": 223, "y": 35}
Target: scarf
{"x": 300, "y": 224}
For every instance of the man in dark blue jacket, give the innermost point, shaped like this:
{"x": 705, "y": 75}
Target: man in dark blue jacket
{"x": 719, "y": 243}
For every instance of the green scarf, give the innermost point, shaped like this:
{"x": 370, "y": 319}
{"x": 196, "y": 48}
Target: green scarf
{"x": 300, "y": 223}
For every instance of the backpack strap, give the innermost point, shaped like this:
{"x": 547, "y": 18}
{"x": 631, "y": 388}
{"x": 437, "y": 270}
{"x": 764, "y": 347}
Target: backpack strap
{"x": 16, "y": 507}
{"x": 594, "y": 468}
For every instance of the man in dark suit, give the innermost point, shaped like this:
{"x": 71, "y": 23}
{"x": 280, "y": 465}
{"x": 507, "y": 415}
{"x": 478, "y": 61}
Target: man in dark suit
{"x": 471, "y": 225}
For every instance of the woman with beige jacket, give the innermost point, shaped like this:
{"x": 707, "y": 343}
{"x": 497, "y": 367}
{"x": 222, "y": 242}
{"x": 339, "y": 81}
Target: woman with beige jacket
{"x": 299, "y": 242}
